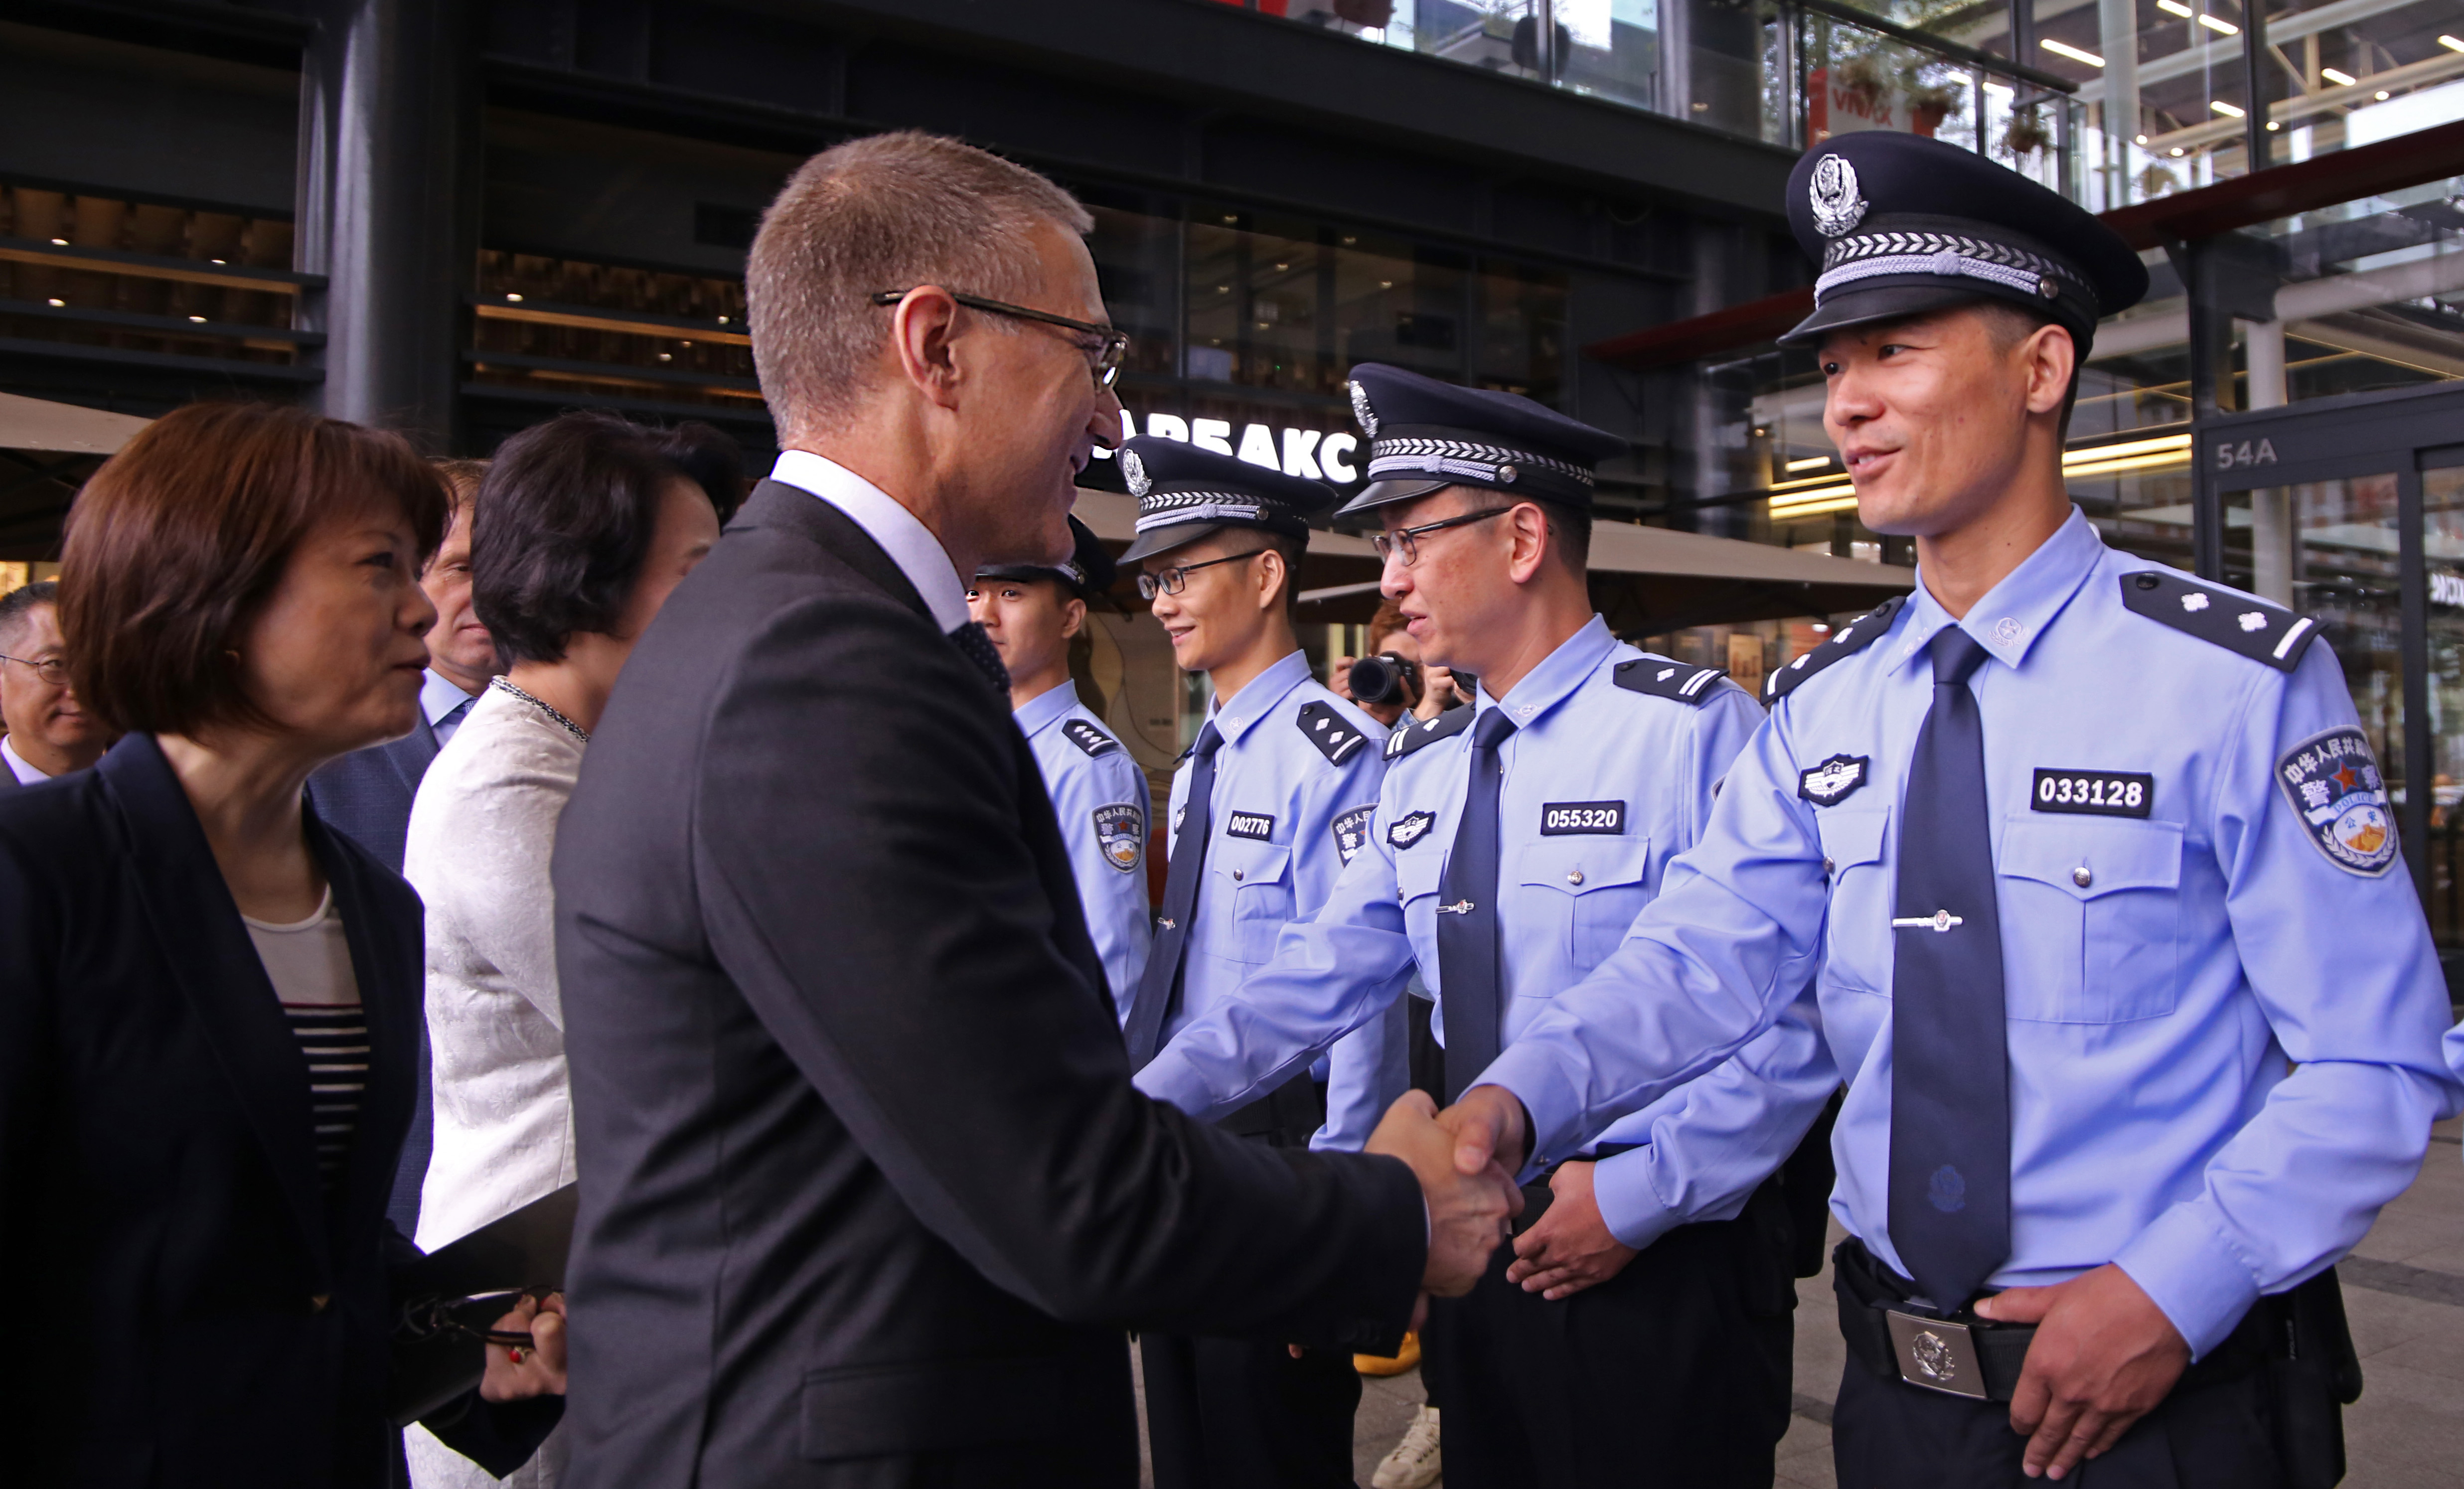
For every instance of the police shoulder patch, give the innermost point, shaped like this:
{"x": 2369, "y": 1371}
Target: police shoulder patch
{"x": 1336, "y": 737}
{"x": 1845, "y": 642}
{"x": 1662, "y": 678}
{"x": 2332, "y": 782}
{"x": 1088, "y": 737}
{"x": 1121, "y": 832}
{"x": 1413, "y": 734}
{"x": 2265, "y": 633}
{"x": 1352, "y": 830}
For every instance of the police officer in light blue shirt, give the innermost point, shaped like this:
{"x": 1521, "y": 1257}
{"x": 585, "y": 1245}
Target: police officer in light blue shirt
{"x": 1273, "y": 799}
{"x": 2138, "y": 1007}
{"x": 1031, "y": 613}
{"x": 1593, "y": 764}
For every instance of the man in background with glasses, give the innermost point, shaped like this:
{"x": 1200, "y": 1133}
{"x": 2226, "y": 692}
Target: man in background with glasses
{"x": 1639, "y": 1328}
{"x": 48, "y": 733}
{"x": 1267, "y": 806}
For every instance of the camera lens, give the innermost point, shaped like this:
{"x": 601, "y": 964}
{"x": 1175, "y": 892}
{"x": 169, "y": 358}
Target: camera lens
{"x": 1379, "y": 679}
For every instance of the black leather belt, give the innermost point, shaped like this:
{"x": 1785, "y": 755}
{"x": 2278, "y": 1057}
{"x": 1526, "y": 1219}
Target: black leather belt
{"x": 1965, "y": 1355}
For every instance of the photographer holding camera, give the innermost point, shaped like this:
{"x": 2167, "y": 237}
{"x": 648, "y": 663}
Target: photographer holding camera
{"x": 1392, "y": 681}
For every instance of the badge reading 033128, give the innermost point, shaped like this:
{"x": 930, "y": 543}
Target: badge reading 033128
{"x": 2332, "y": 781}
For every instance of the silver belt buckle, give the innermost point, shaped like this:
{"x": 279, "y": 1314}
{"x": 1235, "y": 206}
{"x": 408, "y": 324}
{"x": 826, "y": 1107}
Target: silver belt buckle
{"x": 1936, "y": 1354}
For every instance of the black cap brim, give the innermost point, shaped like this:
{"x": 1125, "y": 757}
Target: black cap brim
{"x": 1164, "y": 540}
{"x": 1888, "y": 302}
{"x": 1385, "y": 494}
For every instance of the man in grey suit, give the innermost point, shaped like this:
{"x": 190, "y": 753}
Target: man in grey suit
{"x": 866, "y": 1195}
{"x": 43, "y": 733}
{"x": 367, "y": 794}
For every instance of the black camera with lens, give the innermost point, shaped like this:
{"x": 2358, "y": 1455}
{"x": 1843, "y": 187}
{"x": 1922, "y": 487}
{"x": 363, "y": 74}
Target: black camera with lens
{"x": 1384, "y": 678}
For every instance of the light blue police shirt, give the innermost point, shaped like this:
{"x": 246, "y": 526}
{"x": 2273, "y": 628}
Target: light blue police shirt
{"x": 2159, "y": 970}
{"x": 1602, "y": 786}
{"x": 1295, "y": 782}
{"x": 1100, "y": 797}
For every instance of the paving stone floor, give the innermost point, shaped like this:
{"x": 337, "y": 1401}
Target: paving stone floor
{"x": 2404, "y": 1291}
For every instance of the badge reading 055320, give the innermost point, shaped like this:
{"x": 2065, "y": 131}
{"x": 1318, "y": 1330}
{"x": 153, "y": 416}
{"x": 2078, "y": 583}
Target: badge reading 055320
{"x": 2332, "y": 781}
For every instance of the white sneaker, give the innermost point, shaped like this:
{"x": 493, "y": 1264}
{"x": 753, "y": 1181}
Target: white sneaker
{"x": 1414, "y": 1463}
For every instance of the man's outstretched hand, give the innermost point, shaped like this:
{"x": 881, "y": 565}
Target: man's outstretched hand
{"x": 2105, "y": 1356}
{"x": 1572, "y": 1248}
{"x": 1489, "y": 1126}
{"x": 1467, "y": 1209}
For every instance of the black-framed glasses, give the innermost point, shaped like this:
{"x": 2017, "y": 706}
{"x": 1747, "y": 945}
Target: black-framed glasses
{"x": 50, "y": 669}
{"x": 1105, "y": 361}
{"x": 1407, "y": 539}
{"x": 1173, "y": 580}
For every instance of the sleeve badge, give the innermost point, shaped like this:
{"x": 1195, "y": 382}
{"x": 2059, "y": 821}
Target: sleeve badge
{"x": 1351, "y": 831}
{"x": 1121, "y": 832}
{"x": 2332, "y": 782}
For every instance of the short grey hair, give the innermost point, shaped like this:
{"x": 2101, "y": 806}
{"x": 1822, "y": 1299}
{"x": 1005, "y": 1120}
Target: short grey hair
{"x": 17, "y": 607}
{"x": 885, "y": 212}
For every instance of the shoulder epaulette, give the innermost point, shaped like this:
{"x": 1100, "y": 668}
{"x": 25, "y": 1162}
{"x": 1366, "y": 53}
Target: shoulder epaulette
{"x": 1336, "y": 737}
{"x": 1845, "y": 642}
{"x": 1662, "y": 678}
{"x": 2237, "y": 622}
{"x": 1088, "y": 737}
{"x": 1410, "y": 736}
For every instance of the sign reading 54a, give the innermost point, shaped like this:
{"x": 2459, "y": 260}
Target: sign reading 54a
{"x": 2230, "y": 455}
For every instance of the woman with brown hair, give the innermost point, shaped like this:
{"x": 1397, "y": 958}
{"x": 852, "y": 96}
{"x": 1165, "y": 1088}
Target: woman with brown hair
{"x": 209, "y": 1002}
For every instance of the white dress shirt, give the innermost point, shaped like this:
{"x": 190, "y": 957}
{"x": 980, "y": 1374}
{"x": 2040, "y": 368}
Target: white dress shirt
{"x": 25, "y": 774}
{"x": 444, "y": 704}
{"x": 901, "y": 535}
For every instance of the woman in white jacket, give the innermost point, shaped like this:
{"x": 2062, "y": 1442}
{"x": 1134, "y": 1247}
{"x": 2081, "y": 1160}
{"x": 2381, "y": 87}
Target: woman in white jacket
{"x": 583, "y": 527}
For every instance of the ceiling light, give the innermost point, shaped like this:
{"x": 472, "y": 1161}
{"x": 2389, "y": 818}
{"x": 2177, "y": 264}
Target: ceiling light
{"x": 1280, "y": 268}
{"x": 1809, "y": 462}
{"x": 1385, "y": 284}
{"x": 2273, "y": 126}
{"x": 218, "y": 261}
{"x": 1348, "y": 241}
{"x": 55, "y": 303}
{"x": 2065, "y": 49}
{"x": 2383, "y": 94}
{"x": 722, "y": 320}
{"x": 514, "y": 299}
{"x": 666, "y": 356}
{"x": 2338, "y": 77}
{"x": 2227, "y": 110}
{"x": 2177, "y": 150}
{"x": 60, "y": 242}
{"x": 2226, "y": 26}
{"x": 2451, "y": 44}
{"x": 2142, "y": 139}
{"x": 197, "y": 319}
{"x": 2176, "y": 7}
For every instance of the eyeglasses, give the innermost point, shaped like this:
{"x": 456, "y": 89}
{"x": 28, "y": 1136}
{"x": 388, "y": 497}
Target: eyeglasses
{"x": 1105, "y": 362}
{"x": 1171, "y": 582}
{"x": 1407, "y": 539}
{"x": 50, "y": 669}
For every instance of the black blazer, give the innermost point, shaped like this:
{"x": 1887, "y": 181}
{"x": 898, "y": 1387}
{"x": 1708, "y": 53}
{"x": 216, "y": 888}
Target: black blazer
{"x": 866, "y": 1195}
{"x": 365, "y": 796}
{"x": 185, "y": 1306}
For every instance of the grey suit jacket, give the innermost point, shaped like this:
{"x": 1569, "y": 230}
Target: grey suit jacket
{"x": 857, "y": 1137}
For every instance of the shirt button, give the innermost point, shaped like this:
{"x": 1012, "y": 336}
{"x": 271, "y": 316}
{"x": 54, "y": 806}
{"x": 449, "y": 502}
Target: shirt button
{"x": 2081, "y": 877}
{"x": 1829, "y": 868}
{"x": 1236, "y": 873}
{"x": 1574, "y": 877}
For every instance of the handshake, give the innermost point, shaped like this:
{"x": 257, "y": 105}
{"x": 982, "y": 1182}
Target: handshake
{"x": 1464, "y": 1158}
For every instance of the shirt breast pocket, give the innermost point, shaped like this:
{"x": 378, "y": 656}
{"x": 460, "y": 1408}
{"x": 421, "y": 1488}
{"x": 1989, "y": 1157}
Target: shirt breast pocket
{"x": 1259, "y": 879}
{"x": 1857, "y": 944}
{"x": 1417, "y": 874}
{"x": 2091, "y": 911}
{"x": 1589, "y": 890}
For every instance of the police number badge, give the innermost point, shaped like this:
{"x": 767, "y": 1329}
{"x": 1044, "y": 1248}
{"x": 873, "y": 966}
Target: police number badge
{"x": 1134, "y": 471}
{"x": 1837, "y": 204}
{"x": 2332, "y": 781}
{"x": 1121, "y": 832}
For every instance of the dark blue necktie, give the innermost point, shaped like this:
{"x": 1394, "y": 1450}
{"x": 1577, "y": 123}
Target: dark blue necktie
{"x": 979, "y": 649}
{"x": 1468, "y": 963}
{"x": 1159, "y": 985}
{"x": 1950, "y": 1084}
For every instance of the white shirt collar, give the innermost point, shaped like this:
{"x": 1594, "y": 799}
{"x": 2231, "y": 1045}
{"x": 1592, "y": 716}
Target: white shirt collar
{"x": 902, "y": 535}
{"x": 25, "y": 774}
{"x": 439, "y": 696}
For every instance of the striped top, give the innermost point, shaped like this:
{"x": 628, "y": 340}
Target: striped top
{"x": 309, "y": 963}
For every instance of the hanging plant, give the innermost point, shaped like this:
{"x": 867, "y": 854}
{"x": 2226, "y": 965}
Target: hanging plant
{"x": 2027, "y": 134}
{"x": 2155, "y": 181}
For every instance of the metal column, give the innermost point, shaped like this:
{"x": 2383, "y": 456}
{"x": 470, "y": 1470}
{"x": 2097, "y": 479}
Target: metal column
{"x": 387, "y": 133}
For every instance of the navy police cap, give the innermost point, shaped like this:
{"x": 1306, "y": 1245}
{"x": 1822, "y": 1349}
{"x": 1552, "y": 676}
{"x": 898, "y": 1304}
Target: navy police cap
{"x": 1186, "y": 492}
{"x": 1425, "y": 435}
{"x": 1903, "y": 225}
{"x": 1089, "y": 567}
